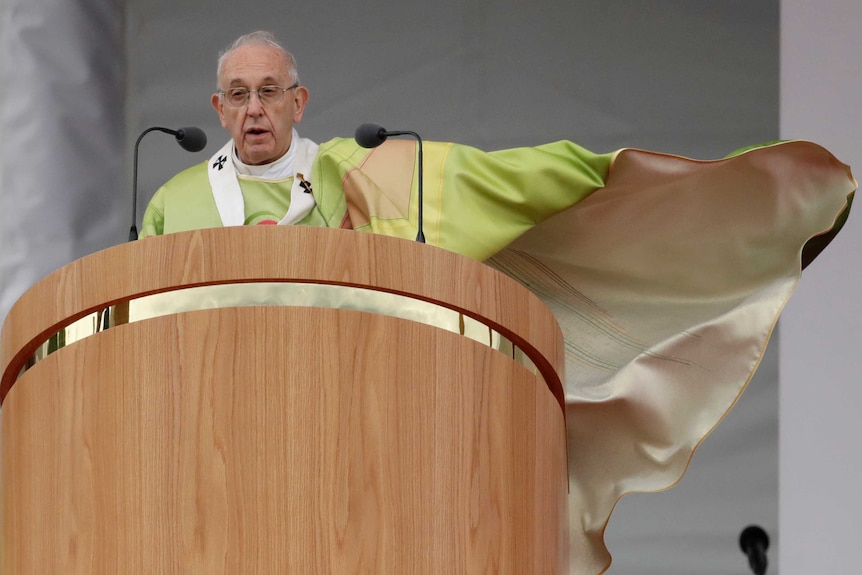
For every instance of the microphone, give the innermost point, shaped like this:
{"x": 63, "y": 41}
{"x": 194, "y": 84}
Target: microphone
{"x": 754, "y": 542}
{"x": 190, "y": 138}
{"x": 371, "y": 136}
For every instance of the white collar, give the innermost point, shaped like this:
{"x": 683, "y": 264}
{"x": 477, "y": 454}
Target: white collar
{"x": 280, "y": 169}
{"x": 222, "y": 174}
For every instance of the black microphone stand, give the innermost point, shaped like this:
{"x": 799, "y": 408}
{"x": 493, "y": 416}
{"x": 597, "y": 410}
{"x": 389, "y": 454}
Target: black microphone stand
{"x": 754, "y": 542}
{"x": 371, "y": 136}
{"x": 191, "y": 139}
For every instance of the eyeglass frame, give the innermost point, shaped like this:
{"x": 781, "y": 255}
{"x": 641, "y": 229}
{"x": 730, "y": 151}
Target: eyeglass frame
{"x": 249, "y": 92}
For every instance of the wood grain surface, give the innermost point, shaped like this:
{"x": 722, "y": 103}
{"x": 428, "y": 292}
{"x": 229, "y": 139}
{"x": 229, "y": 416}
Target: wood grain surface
{"x": 279, "y": 440}
{"x": 281, "y": 253}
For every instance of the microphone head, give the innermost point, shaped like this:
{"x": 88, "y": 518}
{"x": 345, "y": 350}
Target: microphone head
{"x": 370, "y": 135}
{"x": 753, "y": 537}
{"x": 192, "y": 139}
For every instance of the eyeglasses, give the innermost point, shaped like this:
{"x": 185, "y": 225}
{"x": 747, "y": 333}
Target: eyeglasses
{"x": 239, "y": 96}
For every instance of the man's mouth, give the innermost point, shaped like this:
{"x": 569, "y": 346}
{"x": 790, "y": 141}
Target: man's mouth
{"x": 256, "y": 132}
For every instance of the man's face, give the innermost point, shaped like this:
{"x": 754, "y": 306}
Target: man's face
{"x": 261, "y": 133}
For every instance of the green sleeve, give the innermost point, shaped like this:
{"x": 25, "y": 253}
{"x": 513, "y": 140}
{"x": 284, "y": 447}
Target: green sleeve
{"x": 185, "y": 202}
{"x": 475, "y": 202}
{"x": 487, "y": 200}
{"x": 153, "y": 223}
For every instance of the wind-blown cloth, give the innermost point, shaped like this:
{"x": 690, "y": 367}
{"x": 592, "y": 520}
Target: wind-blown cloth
{"x": 667, "y": 284}
{"x": 667, "y": 276}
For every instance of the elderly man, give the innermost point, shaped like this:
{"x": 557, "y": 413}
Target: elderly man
{"x": 253, "y": 178}
{"x": 267, "y": 174}
{"x": 667, "y": 274}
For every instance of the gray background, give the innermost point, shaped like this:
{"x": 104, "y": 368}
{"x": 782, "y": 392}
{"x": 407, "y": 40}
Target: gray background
{"x": 693, "y": 78}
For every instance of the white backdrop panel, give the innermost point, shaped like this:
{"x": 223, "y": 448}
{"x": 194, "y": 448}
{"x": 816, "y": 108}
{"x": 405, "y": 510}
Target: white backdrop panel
{"x": 821, "y": 366}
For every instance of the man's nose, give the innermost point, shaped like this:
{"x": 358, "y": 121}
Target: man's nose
{"x": 255, "y": 106}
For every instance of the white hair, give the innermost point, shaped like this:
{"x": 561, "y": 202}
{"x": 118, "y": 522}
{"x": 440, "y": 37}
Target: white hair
{"x": 260, "y": 38}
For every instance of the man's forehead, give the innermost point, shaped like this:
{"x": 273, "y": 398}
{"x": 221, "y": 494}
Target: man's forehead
{"x": 258, "y": 63}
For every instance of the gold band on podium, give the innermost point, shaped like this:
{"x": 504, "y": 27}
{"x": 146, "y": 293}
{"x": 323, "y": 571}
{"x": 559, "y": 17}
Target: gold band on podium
{"x": 279, "y": 294}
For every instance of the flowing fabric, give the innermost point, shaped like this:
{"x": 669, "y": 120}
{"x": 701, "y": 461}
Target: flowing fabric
{"x": 667, "y": 276}
{"x": 668, "y": 284}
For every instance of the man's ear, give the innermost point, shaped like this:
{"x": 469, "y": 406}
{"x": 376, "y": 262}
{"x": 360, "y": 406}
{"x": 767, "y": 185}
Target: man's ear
{"x": 300, "y": 99}
{"x": 218, "y": 106}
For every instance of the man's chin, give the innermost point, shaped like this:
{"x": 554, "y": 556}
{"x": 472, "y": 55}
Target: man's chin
{"x": 257, "y": 155}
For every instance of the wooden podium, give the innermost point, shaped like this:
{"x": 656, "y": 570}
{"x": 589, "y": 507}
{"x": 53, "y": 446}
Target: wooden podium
{"x": 230, "y": 435}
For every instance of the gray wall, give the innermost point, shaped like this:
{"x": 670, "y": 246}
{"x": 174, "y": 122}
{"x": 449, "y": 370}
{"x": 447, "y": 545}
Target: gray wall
{"x": 669, "y": 75}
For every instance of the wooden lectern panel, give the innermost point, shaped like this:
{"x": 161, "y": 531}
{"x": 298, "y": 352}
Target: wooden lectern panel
{"x": 281, "y": 440}
{"x": 281, "y": 253}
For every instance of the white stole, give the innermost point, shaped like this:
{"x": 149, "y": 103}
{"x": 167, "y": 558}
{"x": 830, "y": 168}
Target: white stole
{"x": 228, "y": 195}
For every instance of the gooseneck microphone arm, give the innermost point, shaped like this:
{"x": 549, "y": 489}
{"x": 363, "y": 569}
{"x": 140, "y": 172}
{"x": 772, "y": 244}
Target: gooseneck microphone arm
{"x": 371, "y": 136}
{"x": 190, "y": 138}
